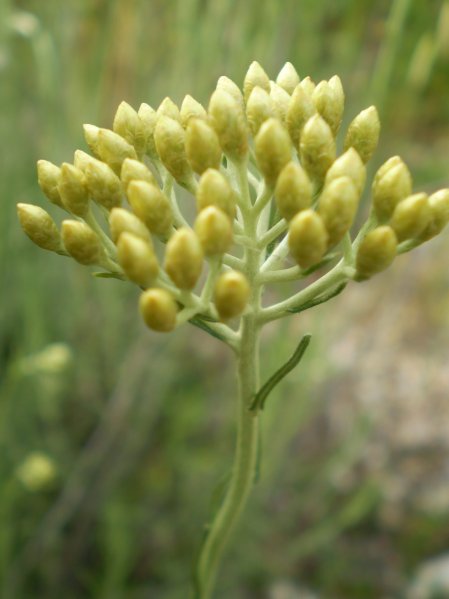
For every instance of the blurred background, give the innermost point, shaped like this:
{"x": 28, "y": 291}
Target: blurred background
{"x": 112, "y": 438}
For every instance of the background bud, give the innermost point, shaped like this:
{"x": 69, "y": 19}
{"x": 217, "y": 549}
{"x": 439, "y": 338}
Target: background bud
{"x": 255, "y": 76}
{"x": 317, "y": 147}
{"x": 293, "y": 190}
{"x": 103, "y": 184}
{"x": 307, "y": 238}
{"x": 81, "y": 242}
{"x": 411, "y": 216}
{"x": 158, "y": 309}
{"x": 73, "y": 189}
{"x": 390, "y": 189}
{"x": 228, "y": 120}
{"x": 123, "y": 221}
{"x": 202, "y": 146}
{"x": 338, "y": 207}
{"x": 169, "y": 137}
{"x": 137, "y": 258}
{"x": 363, "y": 133}
{"x": 184, "y": 258}
{"x": 288, "y": 78}
{"x": 439, "y": 214}
{"x": 300, "y": 110}
{"x": 215, "y": 190}
{"x": 113, "y": 149}
{"x": 48, "y": 177}
{"x": 231, "y": 294}
{"x": 273, "y": 149}
{"x": 151, "y": 206}
{"x": 214, "y": 230}
{"x": 376, "y": 252}
{"x": 39, "y": 227}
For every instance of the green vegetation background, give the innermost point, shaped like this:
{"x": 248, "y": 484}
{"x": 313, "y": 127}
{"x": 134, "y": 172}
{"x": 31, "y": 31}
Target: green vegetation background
{"x": 139, "y": 427}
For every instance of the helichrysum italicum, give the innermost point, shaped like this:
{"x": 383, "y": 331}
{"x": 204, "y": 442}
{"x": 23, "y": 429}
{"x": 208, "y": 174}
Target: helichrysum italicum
{"x": 271, "y": 182}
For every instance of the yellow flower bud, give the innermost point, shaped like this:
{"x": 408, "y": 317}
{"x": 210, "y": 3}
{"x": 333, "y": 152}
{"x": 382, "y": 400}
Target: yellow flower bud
{"x": 288, "y": 78}
{"x": 158, "y": 309}
{"x": 124, "y": 221}
{"x": 202, "y": 146}
{"x": 215, "y": 190}
{"x": 231, "y": 294}
{"x": 126, "y": 123}
{"x": 308, "y": 86}
{"x": 411, "y": 216}
{"x": 363, "y": 133}
{"x": 317, "y": 147}
{"x": 338, "y": 207}
{"x": 300, "y": 110}
{"x": 73, "y": 189}
{"x": 103, "y": 184}
{"x": 48, "y": 177}
{"x": 227, "y": 85}
{"x": 349, "y": 165}
{"x": 91, "y": 136}
{"x": 113, "y": 149}
{"x": 170, "y": 144}
{"x": 337, "y": 87}
{"x": 273, "y": 149}
{"x": 82, "y": 159}
{"x": 307, "y": 238}
{"x": 293, "y": 190}
{"x": 281, "y": 101}
{"x": 168, "y": 108}
{"x": 214, "y": 230}
{"x": 190, "y": 108}
{"x": 439, "y": 214}
{"x": 255, "y": 76}
{"x": 136, "y": 257}
{"x": 39, "y": 227}
{"x": 390, "y": 189}
{"x": 386, "y": 166}
{"x": 259, "y": 108}
{"x": 148, "y": 118}
{"x": 134, "y": 170}
{"x": 376, "y": 252}
{"x": 81, "y": 242}
{"x": 184, "y": 258}
{"x": 229, "y": 122}
{"x": 330, "y": 104}
{"x": 152, "y": 206}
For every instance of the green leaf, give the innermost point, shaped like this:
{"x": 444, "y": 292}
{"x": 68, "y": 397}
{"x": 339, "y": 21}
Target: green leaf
{"x": 107, "y": 275}
{"x": 198, "y": 322}
{"x": 319, "y": 300}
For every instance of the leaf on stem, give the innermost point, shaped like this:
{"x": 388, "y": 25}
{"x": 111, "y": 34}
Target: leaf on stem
{"x": 319, "y": 300}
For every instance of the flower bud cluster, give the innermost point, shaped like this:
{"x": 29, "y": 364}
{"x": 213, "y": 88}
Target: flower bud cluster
{"x": 267, "y": 172}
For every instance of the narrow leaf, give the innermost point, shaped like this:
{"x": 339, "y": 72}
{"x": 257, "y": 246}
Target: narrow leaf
{"x": 319, "y": 300}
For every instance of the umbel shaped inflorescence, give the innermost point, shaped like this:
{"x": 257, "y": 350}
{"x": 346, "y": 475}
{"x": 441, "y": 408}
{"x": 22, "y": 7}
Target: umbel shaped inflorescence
{"x": 268, "y": 182}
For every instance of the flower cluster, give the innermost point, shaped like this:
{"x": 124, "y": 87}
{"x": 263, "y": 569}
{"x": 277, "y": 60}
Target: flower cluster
{"x": 262, "y": 165}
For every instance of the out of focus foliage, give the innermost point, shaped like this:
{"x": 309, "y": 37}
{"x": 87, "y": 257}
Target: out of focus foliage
{"x": 111, "y": 437}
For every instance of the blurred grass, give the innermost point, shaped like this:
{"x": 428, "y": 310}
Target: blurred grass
{"x": 137, "y": 431}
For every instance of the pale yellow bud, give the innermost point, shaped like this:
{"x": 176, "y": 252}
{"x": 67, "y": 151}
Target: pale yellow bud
{"x": 281, "y": 101}
{"x": 386, "y": 166}
{"x": 134, "y": 170}
{"x": 168, "y": 108}
{"x": 390, "y": 189}
{"x": 231, "y": 294}
{"x": 227, "y": 85}
{"x": 81, "y": 242}
{"x": 148, "y": 118}
{"x": 293, "y": 190}
{"x": 113, "y": 149}
{"x": 48, "y": 177}
{"x": 73, "y": 189}
{"x": 363, "y": 133}
{"x": 124, "y": 221}
{"x": 307, "y": 238}
{"x": 214, "y": 230}
{"x": 39, "y": 227}
{"x": 308, "y": 86}
{"x": 349, "y": 165}
{"x": 338, "y": 207}
{"x": 411, "y": 217}
{"x": 184, "y": 258}
{"x": 169, "y": 137}
{"x": 259, "y": 108}
{"x": 137, "y": 258}
{"x": 190, "y": 108}
{"x": 91, "y": 136}
{"x": 215, "y": 190}
{"x": 126, "y": 123}
{"x": 300, "y": 110}
{"x": 376, "y": 252}
{"x": 336, "y": 85}
{"x": 255, "y": 76}
{"x": 202, "y": 146}
{"x": 273, "y": 149}
{"x": 152, "y": 206}
{"x": 439, "y": 214}
{"x": 330, "y": 104}
{"x": 158, "y": 309}
{"x": 103, "y": 184}
{"x": 82, "y": 159}
{"x": 229, "y": 122}
{"x": 317, "y": 147}
{"x": 288, "y": 78}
